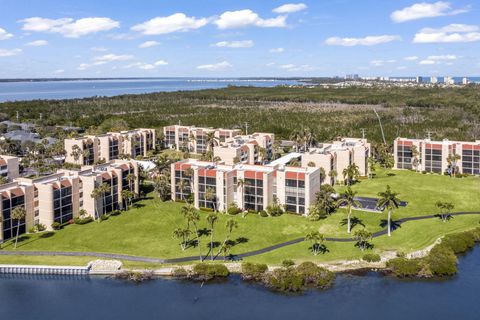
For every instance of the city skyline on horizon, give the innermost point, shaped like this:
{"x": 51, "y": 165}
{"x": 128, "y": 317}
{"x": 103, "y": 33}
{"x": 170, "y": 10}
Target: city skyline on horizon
{"x": 229, "y": 39}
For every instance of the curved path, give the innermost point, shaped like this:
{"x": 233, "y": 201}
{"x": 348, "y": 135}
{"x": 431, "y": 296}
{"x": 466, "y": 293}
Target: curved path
{"x": 194, "y": 258}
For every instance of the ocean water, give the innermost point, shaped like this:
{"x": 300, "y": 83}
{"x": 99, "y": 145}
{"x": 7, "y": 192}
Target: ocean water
{"x": 31, "y": 90}
{"x": 368, "y": 297}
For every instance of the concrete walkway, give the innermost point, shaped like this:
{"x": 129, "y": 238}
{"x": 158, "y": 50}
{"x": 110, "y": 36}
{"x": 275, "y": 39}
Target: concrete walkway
{"x": 194, "y": 258}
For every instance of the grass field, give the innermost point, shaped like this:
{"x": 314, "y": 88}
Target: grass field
{"x": 146, "y": 230}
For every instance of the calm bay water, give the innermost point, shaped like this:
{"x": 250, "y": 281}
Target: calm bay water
{"x": 353, "y": 297}
{"x": 12, "y": 91}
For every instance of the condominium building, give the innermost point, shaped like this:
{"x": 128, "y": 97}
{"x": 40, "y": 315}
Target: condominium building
{"x": 195, "y": 139}
{"x": 59, "y": 197}
{"x": 250, "y": 187}
{"x": 432, "y": 156}
{"x": 9, "y": 167}
{"x": 90, "y": 149}
{"x": 338, "y": 155}
{"x": 246, "y": 149}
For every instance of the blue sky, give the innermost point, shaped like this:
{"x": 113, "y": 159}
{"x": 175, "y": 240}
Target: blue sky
{"x": 209, "y": 38}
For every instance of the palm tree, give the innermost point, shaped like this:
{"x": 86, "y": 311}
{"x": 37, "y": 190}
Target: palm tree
{"x": 351, "y": 173}
{"x": 131, "y": 178}
{"x": 210, "y": 195}
{"x": 212, "y": 218}
{"x": 182, "y": 234}
{"x": 348, "y": 199}
{"x": 317, "y": 239}
{"x": 311, "y": 164}
{"x": 296, "y": 137}
{"x": 333, "y": 176}
{"x": 182, "y": 185}
{"x": 193, "y": 217}
{"x": 76, "y": 153}
{"x": 127, "y": 196}
{"x": 101, "y": 192}
{"x": 388, "y": 200}
{"x": 362, "y": 236}
{"x": 162, "y": 187}
{"x": 452, "y": 160}
{"x": 415, "y": 154}
{"x": 445, "y": 209}
{"x": 371, "y": 166}
{"x": 230, "y": 225}
{"x": 18, "y": 214}
{"x": 323, "y": 175}
{"x": 210, "y": 140}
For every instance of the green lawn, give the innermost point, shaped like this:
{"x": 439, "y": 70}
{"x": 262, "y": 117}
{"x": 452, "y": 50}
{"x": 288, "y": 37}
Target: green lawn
{"x": 147, "y": 229}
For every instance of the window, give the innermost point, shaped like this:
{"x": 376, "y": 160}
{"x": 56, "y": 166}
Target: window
{"x": 10, "y": 225}
{"x": 253, "y": 194}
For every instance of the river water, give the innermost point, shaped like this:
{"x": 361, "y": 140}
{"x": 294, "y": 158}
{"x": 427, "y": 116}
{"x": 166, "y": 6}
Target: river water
{"x": 353, "y": 297}
{"x": 31, "y": 90}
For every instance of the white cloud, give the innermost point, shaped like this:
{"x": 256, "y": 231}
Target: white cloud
{"x": 161, "y": 63}
{"x": 4, "y": 35}
{"x": 69, "y": 27}
{"x": 401, "y": 68}
{"x": 235, "y": 44}
{"x": 59, "y": 71}
{"x": 11, "y": 52}
{"x": 367, "y": 41}
{"x": 177, "y": 22}
{"x": 442, "y": 57}
{"x": 293, "y": 67}
{"x": 107, "y": 58}
{"x": 411, "y": 58}
{"x": 290, "y": 8}
{"x": 98, "y": 49}
{"x": 276, "y": 50}
{"x": 377, "y": 63}
{"x": 215, "y": 67}
{"x": 110, "y": 58}
{"x": 425, "y": 10}
{"x": 246, "y": 18}
{"x": 451, "y": 33}
{"x": 37, "y": 43}
{"x": 148, "y": 44}
{"x": 446, "y": 59}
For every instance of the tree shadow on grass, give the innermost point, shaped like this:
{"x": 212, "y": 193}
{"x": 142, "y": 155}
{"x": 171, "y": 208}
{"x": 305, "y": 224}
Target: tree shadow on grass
{"x": 354, "y": 222}
{"x": 204, "y": 232}
{"x": 241, "y": 240}
{"x": 394, "y": 224}
{"x": 447, "y": 217}
{"x": 366, "y": 246}
{"x": 138, "y": 205}
{"x": 321, "y": 248}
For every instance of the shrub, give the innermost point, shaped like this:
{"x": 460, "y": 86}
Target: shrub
{"x": 233, "y": 209}
{"x": 288, "y": 263}
{"x": 402, "y": 267}
{"x": 263, "y": 214}
{"x": 460, "y": 242}
{"x": 103, "y": 217}
{"x": 180, "y": 273}
{"x": 297, "y": 279}
{"x": 371, "y": 257}
{"x": 204, "y": 271}
{"x": 401, "y": 254}
{"x": 253, "y": 271}
{"x": 286, "y": 280}
{"x": 314, "y": 275}
{"x": 37, "y": 228}
{"x": 56, "y": 226}
{"x": 134, "y": 275}
{"x": 206, "y": 209}
{"x": 442, "y": 261}
{"x": 81, "y": 221}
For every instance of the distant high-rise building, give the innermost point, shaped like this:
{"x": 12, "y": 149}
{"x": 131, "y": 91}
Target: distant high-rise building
{"x": 433, "y": 80}
{"x": 448, "y": 80}
{"x": 352, "y": 77}
{"x": 419, "y": 79}
{"x": 465, "y": 81}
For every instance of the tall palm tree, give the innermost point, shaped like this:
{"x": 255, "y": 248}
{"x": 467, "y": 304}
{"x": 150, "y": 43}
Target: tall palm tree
{"x": 76, "y": 153}
{"x": 415, "y": 155}
{"x": 452, "y": 160}
{"x": 348, "y": 199}
{"x": 212, "y": 219}
{"x": 388, "y": 200}
{"x": 182, "y": 234}
{"x": 194, "y": 217}
{"x": 296, "y": 137}
{"x": 351, "y": 173}
{"x": 210, "y": 195}
{"x": 371, "y": 166}
{"x": 317, "y": 239}
{"x": 182, "y": 185}
{"x": 131, "y": 178}
{"x": 210, "y": 140}
{"x": 323, "y": 175}
{"x": 127, "y": 196}
{"x": 333, "y": 176}
{"x": 445, "y": 209}
{"x": 18, "y": 214}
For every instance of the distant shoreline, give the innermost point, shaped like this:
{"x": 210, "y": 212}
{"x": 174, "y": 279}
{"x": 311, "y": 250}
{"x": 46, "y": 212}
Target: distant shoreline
{"x": 155, "y": 78}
